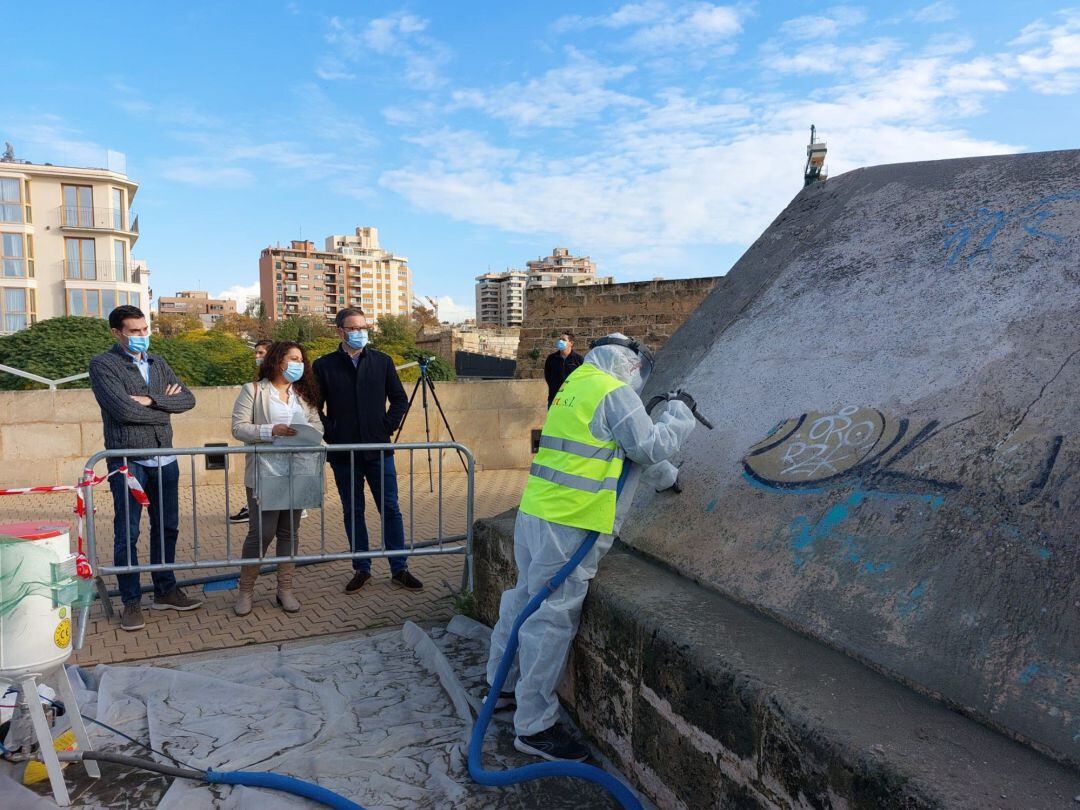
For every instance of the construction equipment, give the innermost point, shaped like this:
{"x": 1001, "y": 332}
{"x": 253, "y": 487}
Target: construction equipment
{"x": 815, "y": 170}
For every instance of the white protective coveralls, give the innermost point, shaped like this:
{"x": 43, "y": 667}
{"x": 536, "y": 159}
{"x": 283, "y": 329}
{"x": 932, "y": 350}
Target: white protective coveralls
{"x": 541, "y": 548}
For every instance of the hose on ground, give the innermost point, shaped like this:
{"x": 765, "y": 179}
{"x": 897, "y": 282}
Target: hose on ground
{"x": 286, "y": 784}
{"x": 577, "y": 770}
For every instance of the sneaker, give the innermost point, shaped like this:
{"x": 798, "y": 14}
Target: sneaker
{"x": 175, "y": 600}
{"x": 132, "y": 619}
{"x": 505, "y": 701}
{"x": 240, "y": 517}
{"x": 359, "y": 580}
{"x": 554, "y": 745}
{"x": 403, "y": 579}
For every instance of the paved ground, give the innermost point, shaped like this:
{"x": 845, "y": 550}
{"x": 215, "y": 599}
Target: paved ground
{"x": 320, "y": 588}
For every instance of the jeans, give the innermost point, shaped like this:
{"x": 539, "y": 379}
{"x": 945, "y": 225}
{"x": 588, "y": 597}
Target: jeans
{"x": 385, "y": 493}
{"x": 164, "y": 510}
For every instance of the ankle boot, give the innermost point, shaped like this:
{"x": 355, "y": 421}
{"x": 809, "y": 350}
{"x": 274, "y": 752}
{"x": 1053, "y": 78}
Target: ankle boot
{"x": 245, "y": 590}
{"x": 285, "y": 596}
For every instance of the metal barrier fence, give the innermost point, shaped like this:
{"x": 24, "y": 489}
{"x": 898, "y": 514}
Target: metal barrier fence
{"x": 200, "y": 558}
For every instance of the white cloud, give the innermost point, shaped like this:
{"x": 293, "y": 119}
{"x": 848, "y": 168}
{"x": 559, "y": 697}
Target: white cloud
{"x": 218, "y": 177}
{"x": 659, "y": 26}
{"x": 330, "y": 68}
{"x": 1051, "y": 63}
{"x": 562, "y": 97}
{"x": 824, "y": 57}
{"x": 241, "y": 294}
{"x": 401, "y": 36}
{"x": 50, "y": 139}
{"x": 453, "y": 312}
{"x": 941, "y": 11}
{"x": 678, "y": 170}
{"x": 831, "y": 22}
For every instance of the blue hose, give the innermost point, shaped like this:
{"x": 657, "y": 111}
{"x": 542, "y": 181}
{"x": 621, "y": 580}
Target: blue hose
{"x": 621, "y": 792}
{"x": 286, "y": 784}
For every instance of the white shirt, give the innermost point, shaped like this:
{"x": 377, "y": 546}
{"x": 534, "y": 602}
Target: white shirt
{"x": 143, "y": 365}
{"x": 283, "y": 413}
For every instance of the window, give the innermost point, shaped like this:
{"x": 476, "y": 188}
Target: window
{"x": 12, "y": 255}
{"x": 118, "y": 209}
{"x": 80, "y": 255}
{"x": 303, "y": 266}
{"x": 303, "y": 275}
{"x": 277, "y": 265}
{"x": 120, "y": 272}
{"x": 11, "y": 209}
{"x": 15, "y": 306}
{"x": 79, "y": 206}
{"x": 108, "y": 301}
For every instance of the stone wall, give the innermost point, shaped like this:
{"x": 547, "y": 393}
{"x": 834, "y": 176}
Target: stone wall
{"x": 497, "y": 342}
{"x": 46, "y": 436}
{"x": 647, "y": 310}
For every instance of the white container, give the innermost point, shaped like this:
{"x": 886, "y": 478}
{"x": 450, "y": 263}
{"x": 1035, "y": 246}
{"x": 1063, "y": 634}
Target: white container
{"x": 35, "y": 636}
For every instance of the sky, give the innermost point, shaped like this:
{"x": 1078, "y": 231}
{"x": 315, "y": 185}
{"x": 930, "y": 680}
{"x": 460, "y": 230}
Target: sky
{"x": 658, "y": 137}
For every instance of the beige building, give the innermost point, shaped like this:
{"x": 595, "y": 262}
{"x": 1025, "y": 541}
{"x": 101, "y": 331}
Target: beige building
{"x": 197, "y": 303}
{"x": 560, "y": 269}
{"x": 500, "y": 298}
{"x": 66, "y": 236}
{"x": 352, "y": 271}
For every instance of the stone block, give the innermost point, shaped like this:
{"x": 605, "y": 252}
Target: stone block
{"x": 32, "y": 442}
{"x": 516, "y": 423}
{"x": 20, "y": 407}
{"x": 76, "y": 405}
{"x": 92, "y": 438}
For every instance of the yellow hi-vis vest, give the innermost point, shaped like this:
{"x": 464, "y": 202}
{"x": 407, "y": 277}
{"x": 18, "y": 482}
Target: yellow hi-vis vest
{"x": 574, "y": 477}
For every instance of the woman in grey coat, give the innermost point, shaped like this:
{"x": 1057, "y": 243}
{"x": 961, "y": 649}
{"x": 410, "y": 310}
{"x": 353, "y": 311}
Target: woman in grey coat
{"x": 284, "y": 396}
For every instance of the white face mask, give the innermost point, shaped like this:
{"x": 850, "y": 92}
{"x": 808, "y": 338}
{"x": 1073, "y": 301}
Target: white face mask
{"x": 636, "y": 382}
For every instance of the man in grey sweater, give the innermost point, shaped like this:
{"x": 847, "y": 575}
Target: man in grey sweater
{"x": 138, "y": 393}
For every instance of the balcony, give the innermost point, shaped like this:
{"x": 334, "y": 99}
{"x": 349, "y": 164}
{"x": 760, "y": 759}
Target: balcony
{"x": 102, "y": 270}
{"x": 96, "y": 219}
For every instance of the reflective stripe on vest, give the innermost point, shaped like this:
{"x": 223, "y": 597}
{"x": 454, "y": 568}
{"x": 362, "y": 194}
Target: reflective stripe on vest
{"x": 574, "y": 477}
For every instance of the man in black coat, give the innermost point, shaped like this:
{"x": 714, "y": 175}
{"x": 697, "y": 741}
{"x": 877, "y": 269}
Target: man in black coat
{"x": 357, "y": 382}
{"x": 560, "y": 363}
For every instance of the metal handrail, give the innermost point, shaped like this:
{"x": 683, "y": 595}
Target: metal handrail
{"x": 51, "y": 383}
{"x": 97, "y": 219}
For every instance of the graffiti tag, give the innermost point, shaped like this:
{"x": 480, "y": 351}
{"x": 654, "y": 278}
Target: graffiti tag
{"x": 974, "y": 236}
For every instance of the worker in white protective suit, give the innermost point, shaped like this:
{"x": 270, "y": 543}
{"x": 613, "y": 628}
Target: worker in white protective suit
{"x": 596, "y": 421}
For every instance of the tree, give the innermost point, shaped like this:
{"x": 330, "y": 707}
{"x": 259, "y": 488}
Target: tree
{"x": 242, "y": 326}
{"x": 172, "y": 324}
{"x": 302, "y": 328}
{"x": 53, "y": 348}
{"x": 425, "y": 318}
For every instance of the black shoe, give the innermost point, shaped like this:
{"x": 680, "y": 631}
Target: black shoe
{"x": 359, "y": 580}
{"x": 403, "y": 579}
{"x": 554, "y": 745}
{"x": 240, "y": 517}
{"x": 505, "y": 702}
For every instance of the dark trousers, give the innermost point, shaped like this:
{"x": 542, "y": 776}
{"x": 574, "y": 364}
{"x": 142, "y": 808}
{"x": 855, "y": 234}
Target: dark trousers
{"x": 383, "y": 482}
{"x": 164, "y": 525}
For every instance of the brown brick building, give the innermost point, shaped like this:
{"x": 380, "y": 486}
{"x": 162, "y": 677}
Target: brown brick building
{"x": 647, "y": 310}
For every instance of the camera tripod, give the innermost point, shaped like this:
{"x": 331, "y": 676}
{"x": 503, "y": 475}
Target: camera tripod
{"x": 425, "y": 384}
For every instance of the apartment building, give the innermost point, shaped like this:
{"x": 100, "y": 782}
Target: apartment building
{"x": 560, "y": 269}
{"x": 352, "y": 271}
{"x": 66, "y": 236}
{"x": 500, "y": 298}
{"x": 197, "y": 303}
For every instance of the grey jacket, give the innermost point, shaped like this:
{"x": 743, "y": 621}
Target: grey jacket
{"x": 252, "y": 409}
{"x": 114, "y": 378}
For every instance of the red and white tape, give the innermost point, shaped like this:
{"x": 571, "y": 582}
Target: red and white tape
{"x": 82, "y": 564}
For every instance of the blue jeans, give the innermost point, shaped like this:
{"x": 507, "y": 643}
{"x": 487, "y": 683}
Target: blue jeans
{"x": 385, "y": 493}
{"x": 164, "y": 511}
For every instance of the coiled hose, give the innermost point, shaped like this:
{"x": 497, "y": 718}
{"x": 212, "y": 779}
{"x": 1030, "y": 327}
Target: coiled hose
{"x": 541, "y": 770}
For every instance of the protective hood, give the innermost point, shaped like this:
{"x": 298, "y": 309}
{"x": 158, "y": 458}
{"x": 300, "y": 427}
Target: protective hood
{"x": 620, "y": 362}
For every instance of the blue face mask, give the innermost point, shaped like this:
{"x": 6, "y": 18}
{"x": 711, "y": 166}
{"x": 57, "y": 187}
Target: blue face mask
{"x": 560, "y": 345}
{"x": 137, "y": 344}
{"x": 356, "y": 338}
{"x": 294, "y": 371}
{"x": 258, "y": 361}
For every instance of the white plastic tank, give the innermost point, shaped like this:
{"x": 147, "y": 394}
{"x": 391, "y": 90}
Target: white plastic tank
{"x": 35, "y": 610}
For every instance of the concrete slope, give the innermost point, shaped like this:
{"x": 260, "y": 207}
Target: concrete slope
{"x": 893, "y": 369}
